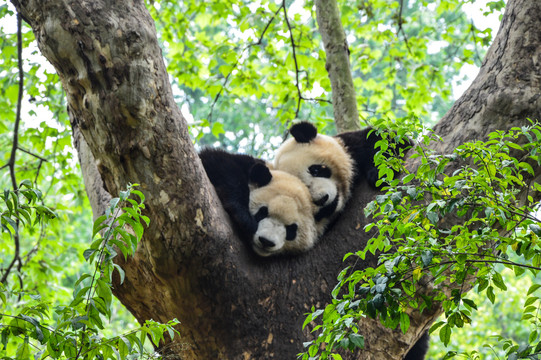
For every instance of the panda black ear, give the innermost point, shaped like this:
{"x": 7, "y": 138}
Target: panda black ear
{"x": 303, "y": 132}
{"x": 260, "y": 175}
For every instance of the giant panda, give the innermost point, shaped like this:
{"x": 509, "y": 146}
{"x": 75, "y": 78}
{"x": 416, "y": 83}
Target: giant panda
{"x": 329, "y": 165}
{"x": 272, "y": 210}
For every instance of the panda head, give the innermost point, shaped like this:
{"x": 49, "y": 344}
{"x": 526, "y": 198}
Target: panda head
{"x": 282, "y": 207}
{"x": 323, "y": 165}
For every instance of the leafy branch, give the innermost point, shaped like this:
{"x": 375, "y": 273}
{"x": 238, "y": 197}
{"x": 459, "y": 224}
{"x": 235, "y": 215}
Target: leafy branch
{"x": 415, "y": 240}
{"x": 75, "y": 330}
{"x": 11, "y": 161}
{"x": 246, "y": 48}
{"x": 401, "y": 28}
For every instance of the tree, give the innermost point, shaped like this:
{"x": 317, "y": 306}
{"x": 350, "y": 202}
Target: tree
{"x": 190, "y": 264}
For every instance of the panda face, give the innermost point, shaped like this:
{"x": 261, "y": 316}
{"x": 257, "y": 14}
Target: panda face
{"x": 324, "y": 166}
{"x": 272, "y": 235}
{"x": 283, "y": 211}
{"x": 321, "y": 184}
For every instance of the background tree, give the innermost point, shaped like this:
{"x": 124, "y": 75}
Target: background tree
{"x": 120, "y": 103}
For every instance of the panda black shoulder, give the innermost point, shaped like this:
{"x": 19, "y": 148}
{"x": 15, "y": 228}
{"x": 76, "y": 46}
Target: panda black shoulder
{"x": 360, "y": 145}
{"x": 363, "y": 139}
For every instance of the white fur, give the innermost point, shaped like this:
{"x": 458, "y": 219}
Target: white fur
{"x": 272, "y": 230}
{"x": 320, "y": 187}
{"x": 295, "y": 158}
{"x": 288, "y": 201}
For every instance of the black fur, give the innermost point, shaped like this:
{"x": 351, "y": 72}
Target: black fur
{"x": 260, "y": 175}
{"x": 230, "y": 175}
{"x": 419, "y": 350}
{"x": 303, "y": 132}
{"x": 291, "y": 231}
{"x": 360, "y": 145}
{"x": 327, "y": 211}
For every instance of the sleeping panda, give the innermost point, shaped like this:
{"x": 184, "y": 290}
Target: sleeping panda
{"x": 272, "y": 210}
{"x": 329, "y": 165}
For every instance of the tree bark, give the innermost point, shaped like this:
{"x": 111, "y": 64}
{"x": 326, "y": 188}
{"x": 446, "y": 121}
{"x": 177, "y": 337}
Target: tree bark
{"x": 344, "y": 100}
{"x": 190, "y": 264}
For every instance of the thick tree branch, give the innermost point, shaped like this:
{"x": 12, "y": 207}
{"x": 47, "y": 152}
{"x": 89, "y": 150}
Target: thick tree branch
{"x": 346, "y": 115}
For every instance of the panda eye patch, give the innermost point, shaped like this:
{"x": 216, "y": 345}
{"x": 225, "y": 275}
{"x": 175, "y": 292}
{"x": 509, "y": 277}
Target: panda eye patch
{"x": 320, "y": 171}
{"x": 262, "y": 213}
{"x": 291, "y": 232}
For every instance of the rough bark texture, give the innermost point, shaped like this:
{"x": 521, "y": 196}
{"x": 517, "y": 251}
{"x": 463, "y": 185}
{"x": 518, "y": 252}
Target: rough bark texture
{"x": 190, "y": 264}
{"x": 346, "y": 115}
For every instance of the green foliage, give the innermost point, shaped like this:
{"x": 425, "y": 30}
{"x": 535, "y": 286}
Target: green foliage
{"x": 245, "y": 71}
{"x": 32, "y": 327}
{"x": 484, "y": 184}
{"x": 479, "y": 340}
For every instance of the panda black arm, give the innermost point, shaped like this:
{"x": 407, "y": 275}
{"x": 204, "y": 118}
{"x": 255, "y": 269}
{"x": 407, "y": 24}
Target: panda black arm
{"x": 229, "y": 173}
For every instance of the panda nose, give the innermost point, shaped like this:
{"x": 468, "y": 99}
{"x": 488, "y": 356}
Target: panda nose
{"x": 266, "y": 243}
{"x": 322, "y": 201}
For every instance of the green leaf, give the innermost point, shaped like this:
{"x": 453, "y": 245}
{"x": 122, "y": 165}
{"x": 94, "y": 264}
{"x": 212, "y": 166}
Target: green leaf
{"x": 121, "y": 273}
{"x": 23, "y": 350}
{"x": 408, "y": 178}
{"x": 426, "y": 257}
{"x": 536, "y": 229}
{"x": 432, "y": 217}
{"x": 445, "y": 334}
{"x": 533, "y": 336}
{"x": 357, "y": 340}
{"x": 104, "y": 291}
{"x": 533, "y": 288}
{"x": 88, "y": 253}
{"x": 98, "y": 226}
{"x": 217, "y": 129}
{"x": 35, "y": 322}
{"x": 435, "y": 326}
{"x": 470, "y": 303}
{"x": 530, "y": 300}
{"x": 498, "y": 281}
{"x": 490, "y": 294}
{"x": 404, "y": 322}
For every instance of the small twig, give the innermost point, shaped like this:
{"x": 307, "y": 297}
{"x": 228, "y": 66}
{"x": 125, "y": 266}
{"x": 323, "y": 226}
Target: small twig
{"x": 293, "y": 47}
{"x": 401, "y": 29}
{"x": 11, "y": 162}
{"x": 31, "y": 153}
{"x": 14, "y": 146}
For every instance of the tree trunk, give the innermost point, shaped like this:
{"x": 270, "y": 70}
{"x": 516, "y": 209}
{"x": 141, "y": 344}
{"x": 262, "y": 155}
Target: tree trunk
{"x": 190, "y": 265}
